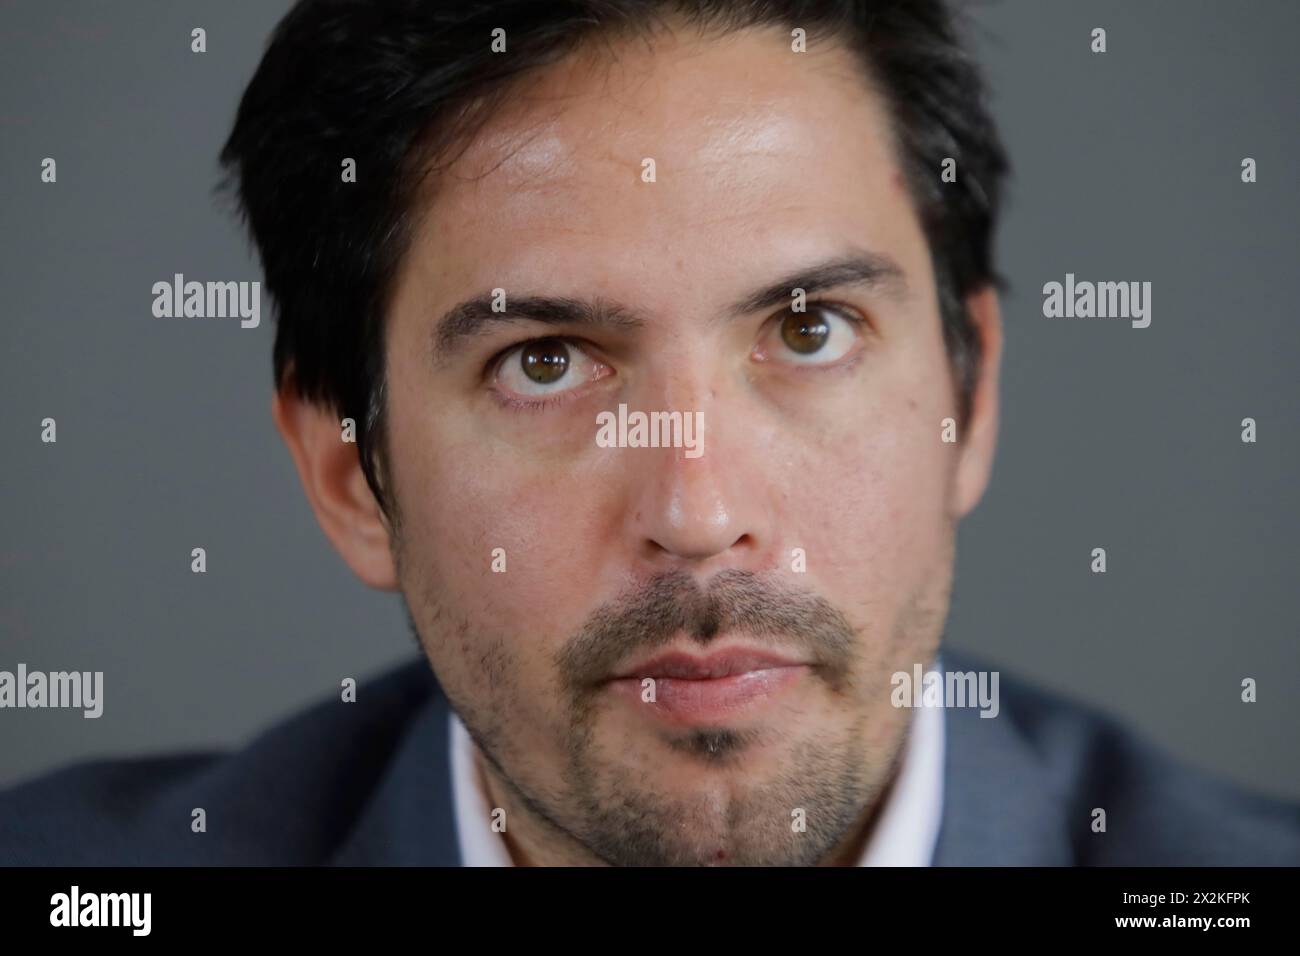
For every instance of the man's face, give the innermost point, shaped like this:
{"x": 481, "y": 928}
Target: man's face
{"x": 815, "y": 528}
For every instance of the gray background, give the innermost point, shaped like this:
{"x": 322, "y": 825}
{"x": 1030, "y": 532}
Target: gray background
{"x": 1127, "y": 167}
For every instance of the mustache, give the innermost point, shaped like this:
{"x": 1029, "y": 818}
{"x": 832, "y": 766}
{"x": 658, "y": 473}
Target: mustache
{"x": 653, "y": 615}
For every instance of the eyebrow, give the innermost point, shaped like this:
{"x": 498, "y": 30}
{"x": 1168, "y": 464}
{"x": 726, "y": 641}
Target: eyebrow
{"x": 476, "y": 316}
{"x": 866, "y": 269}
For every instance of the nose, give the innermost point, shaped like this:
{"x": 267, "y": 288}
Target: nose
{"x": 705, "y": 513}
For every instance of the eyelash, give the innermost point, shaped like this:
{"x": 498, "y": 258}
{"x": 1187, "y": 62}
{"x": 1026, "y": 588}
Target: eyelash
{"x": 846, "y": 312}
{"x": 850, "y": 315}
{"x": 527, "y": 404}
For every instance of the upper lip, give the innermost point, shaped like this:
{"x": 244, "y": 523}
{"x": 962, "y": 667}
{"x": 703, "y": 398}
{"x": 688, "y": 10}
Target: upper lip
{"x": 726, "y": 663}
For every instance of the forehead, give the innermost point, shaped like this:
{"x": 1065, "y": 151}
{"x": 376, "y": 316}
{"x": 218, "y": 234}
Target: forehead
{"x": 760, "y": 154}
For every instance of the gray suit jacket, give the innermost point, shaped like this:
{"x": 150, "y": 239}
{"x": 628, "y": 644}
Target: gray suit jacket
{"x": 369, "y": 783}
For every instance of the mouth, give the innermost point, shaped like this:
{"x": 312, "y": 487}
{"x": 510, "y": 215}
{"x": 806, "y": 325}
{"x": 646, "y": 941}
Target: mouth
{"x": 726, "y": 686}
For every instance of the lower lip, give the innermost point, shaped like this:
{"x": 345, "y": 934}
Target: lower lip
{"x": 703, "y": 701}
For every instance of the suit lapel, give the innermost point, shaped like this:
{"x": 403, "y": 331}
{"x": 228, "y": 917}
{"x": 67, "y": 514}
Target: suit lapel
{"x": 409, "y": 821}
{"x": 1002, "y": 806}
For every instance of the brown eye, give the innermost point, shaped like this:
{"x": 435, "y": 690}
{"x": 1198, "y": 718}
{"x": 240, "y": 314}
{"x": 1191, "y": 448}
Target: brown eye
{"x": 823, "y": 335}
{"x": 544, "y": 361}
{"x": 804, "y": 333}
{"x": 546, "y": 367}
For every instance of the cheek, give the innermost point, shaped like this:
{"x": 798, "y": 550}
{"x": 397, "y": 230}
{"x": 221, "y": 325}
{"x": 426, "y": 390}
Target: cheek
{"x": 501, "y": 548}
{"x": 496, "y": 514}
{"x": 881, "y": 526}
